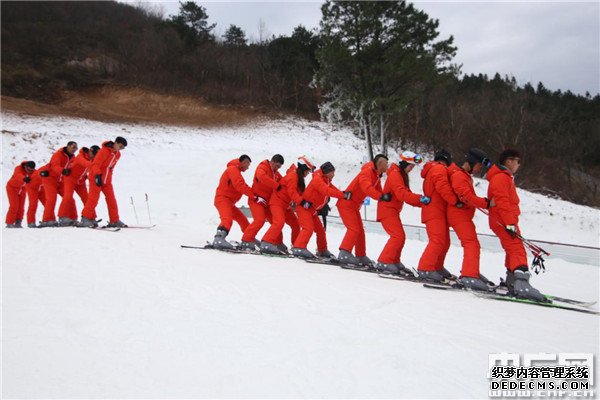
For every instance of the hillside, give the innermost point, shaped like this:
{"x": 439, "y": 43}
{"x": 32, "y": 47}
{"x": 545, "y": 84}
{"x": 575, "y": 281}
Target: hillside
{"x": 130, "y": 314}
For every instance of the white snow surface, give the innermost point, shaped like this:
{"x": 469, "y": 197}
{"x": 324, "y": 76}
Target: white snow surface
{"x": 92, "y": 314}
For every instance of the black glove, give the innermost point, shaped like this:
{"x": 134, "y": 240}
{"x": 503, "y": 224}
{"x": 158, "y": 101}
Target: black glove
{"x": 324, "y": 211}
{"x": 386, "y": 197}
{"x": 26, "y": 179}
{"x": 306, "y": 204}
{"x": 347, "y": 195}
{"x": 44, "y": 174}
{"x": 98, "y": 180}
{"x": 459, "y": 204}
{"x": 66, "y": 171}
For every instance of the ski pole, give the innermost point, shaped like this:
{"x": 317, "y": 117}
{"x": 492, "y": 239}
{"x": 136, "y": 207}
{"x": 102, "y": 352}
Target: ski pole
{"x": 137, "y": 221}
{"x": 148, "y": 207}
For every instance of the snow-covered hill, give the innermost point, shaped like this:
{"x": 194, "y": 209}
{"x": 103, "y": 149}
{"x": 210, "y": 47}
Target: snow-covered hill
{"x": 130, "y": 314}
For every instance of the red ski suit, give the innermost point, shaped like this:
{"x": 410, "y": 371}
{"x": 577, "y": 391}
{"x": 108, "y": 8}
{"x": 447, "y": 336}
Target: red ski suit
{"x": 53, "y": 182}
{"x": 264, "y": 183}
{"x": 366, "y": 183}
{"x": 317, "y": 193}
{"x": 281, "y": 210}
{"x": 103, "y": 164}
{"x": 35, "y": 193}
{"x": 436, "y": 185}
{"x": 388, "y": 213}
{"x": 229, "y": 191}
{"x": 461, "y": 219}
{"x": 15, "y": 190}
{"x": 506, "y": 212}
{"x": 75, "y": 182}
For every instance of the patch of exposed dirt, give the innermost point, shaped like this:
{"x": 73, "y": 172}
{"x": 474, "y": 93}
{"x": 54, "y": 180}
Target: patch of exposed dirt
{"x": 121, "y": 104}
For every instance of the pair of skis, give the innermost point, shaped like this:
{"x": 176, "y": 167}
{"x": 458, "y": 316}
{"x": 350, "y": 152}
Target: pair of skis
{"x": 107, "y": 228}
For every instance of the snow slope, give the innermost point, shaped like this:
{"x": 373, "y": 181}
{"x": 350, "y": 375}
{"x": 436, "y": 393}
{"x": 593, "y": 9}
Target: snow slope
{"x": 130, "y": 314}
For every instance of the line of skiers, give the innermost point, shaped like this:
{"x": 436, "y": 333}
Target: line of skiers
{"x": 65, "y": 175}
{"x": 448, "y": 200}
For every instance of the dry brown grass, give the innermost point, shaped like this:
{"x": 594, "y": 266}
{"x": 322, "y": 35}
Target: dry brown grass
{"x": 121, "y": 104}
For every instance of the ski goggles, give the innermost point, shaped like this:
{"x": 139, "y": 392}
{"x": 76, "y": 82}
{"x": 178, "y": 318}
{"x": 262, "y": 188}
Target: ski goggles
{"x": 486, "y": 162}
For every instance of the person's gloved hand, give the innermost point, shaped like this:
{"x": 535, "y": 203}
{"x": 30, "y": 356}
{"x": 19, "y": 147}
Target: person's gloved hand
{"x": 386, "y": 197}
{"x": 98, "y": 180}
{"x": 66, "y": 171}
{"x": 44, "y": 174}
{"x": 26, "y": 179}
{"x": 459, "y": 204}
{"x": 425, "y": 200}
{"x": 260, "y": 200}
{"x": 347, "y": 195}
{"x": 306, "y": 204}
{"x": 512, "y": 229}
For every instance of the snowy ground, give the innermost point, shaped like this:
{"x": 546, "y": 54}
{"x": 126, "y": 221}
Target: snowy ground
{"x": 130, "y": 314}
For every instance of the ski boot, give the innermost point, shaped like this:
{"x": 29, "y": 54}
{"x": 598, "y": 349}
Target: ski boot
{"x": 248, "y": 246}
{"x": 32, "y": 225}
{"x": 302, "y": 253}
{"x": 325, "y": 254}
{"x": 283, "y": 248}
{"x": 366, "y": 262}
{"x": 19, "y": 223}
{"x": 269, "y": 248}
{"x": 11, "y": 226}
{"x": 86, "y": 223}
{"x": 65, "y": 221}
{"x": 474, "y": 283}
{"x": 391, "y": 269}
{"x": 345, "y": 257}
{"x": 48, "y": 224}
{"x": 447, "y": 275}
{"x": 519, "y": 286}
{"x": 431, "y": 276}
{"x": 117, "y": 224}
{"x": 219, "y": 241}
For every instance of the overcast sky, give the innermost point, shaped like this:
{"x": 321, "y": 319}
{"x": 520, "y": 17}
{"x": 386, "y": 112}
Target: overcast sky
{"x": 557, "y": 43}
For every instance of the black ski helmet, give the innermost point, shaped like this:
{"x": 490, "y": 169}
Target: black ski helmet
{"x": 443, "y": 154}
{"x": 475, "y": 156}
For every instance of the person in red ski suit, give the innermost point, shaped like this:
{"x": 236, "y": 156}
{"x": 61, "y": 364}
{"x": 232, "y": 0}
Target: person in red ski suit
{"x": 35, "y": 193}
{"x": 266, "y": 180}
{"x": 436, "y": 186}
{"x": 461, "y": 219}
{"x": 52, "y": 178}
{"x": 366, "y": 183}
{"x": 388, "y": 213}
{"x": 292, "y": 186}
{"x": 75, "y": 182}
{"x": 100, "y": 177}
{"x": 504, "y": 222}
{"x": 315, "y": 197}
{"x": 229, "y": 191}
{"x": 15, "y": 190}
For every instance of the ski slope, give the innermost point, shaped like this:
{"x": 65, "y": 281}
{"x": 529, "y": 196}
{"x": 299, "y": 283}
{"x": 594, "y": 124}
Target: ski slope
{"x": 129, "y": 314}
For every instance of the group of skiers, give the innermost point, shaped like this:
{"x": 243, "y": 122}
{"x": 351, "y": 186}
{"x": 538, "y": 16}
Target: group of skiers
{"x": 65, "y": 175}
{"x": 448, "y": 200}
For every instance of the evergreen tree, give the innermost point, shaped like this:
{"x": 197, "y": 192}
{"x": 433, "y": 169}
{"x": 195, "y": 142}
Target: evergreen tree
{"x": 192, "y": 24}
{"x": 235, "y": 36}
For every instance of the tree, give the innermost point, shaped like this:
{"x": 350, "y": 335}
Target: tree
{"x": 375, "y": 59}
{"x": 235, "y": 36}
{"x": 192, "y": 24}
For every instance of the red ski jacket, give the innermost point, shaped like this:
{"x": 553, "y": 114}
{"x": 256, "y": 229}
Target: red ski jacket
{"x": 401, "y": 194}
{"x": 436, "y": 185}
{"x": 265, "y": 180}
{"x": 504, "y": 192}
{"x": 232, "y": 184}
{"x": 366, "y": 183}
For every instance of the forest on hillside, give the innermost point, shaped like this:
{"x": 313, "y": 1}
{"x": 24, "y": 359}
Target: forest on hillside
{"x": 389, "y": 76}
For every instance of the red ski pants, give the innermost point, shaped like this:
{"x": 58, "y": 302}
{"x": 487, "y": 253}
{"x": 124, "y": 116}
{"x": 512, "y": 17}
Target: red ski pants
{"x": 355, "y": 232}
{"x": 465, "y": 230}
{"x": 260, "y": 214}
{"x": 310, "y": 223}
{"x": 439, "y": 242}
{"x": 393, "y": 248}
{"x": 16, "y": 204}
{"x": 89, "y": 210}
{"x": 52, "y": 188}
{"x": 67, "y": 205}
{"x": 34, "y": 194}
{"x": 516, "y": 255}
{"x": 281, "y": 216}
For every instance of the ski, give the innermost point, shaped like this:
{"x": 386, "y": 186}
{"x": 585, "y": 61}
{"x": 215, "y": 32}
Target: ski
{"x": 105, "y": 229}
{"x": 504, "y": 290}
{"x": 506, "y": 297}
{"x": 139, "y": 226}
{"x": 398, "y": 277}
{"x": 324, "y": 261}
{"x": 209, "y": 246}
